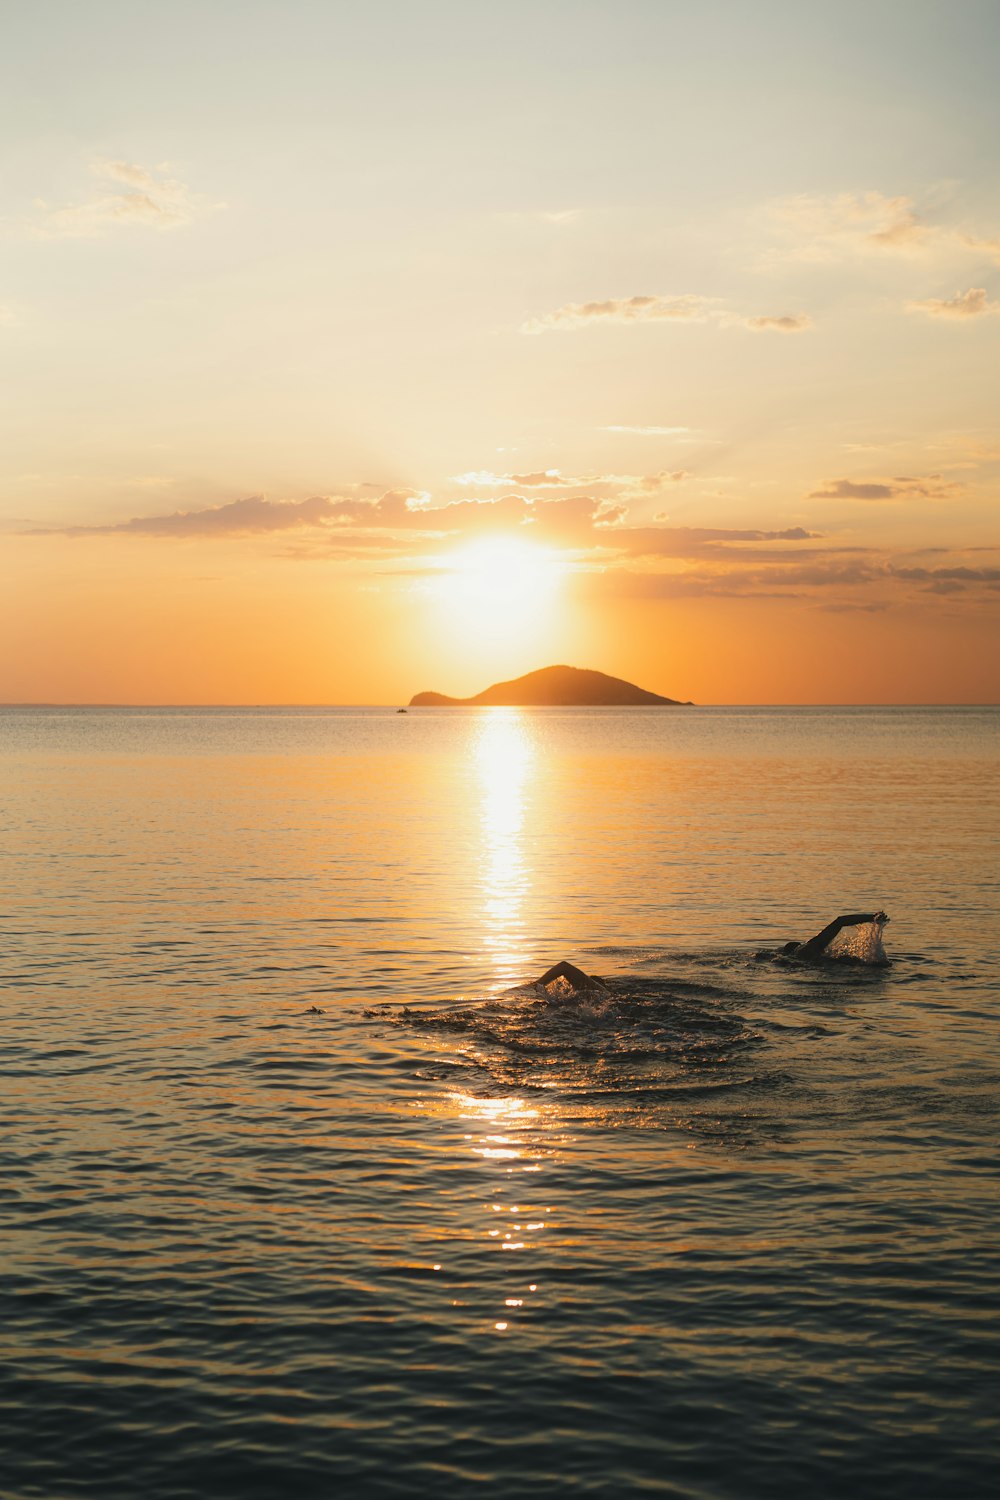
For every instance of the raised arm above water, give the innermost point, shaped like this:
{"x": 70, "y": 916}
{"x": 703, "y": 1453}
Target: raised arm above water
{"x": 816, "y": 945}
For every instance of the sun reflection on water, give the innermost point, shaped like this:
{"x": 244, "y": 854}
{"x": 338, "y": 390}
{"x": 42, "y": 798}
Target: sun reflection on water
{"x": 522, "y": 1222}
{"x": 505, "y": 762}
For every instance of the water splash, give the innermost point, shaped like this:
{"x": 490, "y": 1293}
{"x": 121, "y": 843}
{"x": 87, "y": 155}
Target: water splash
{"x": 641, "y": 1048}
{"x": 864, "y": 943}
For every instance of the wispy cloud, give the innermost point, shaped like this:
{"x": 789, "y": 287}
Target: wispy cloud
{"x": 554, "y": 479}
{"x": 332, "y": 523}
{"x": 127, "y": 195}
{"x": 950, "y": 580}
{"x": 404, "y": 530}
{"x": 688, "y": 308}
{"x": 903, "y": 487}
{"x": 334, "y": 517}
{"x": 557, "y": 216}
{"x": 817, "y": 228}
{"x": 964, "y": 305}
{"x": 255, "y": 515}
{"x": 652, "y": 431}
{"x": 825, "y": 226}
{"x": 866, "y": 582}
{"x": 786, "y": 323}
{"x": 546, "y": 479}
{"x": 649, "y": 483}
{"x": 644, "y": 309}
{"x": 854, "y": 606}
{"x": 706, "y": 541}
{"x": 743, "y": 578}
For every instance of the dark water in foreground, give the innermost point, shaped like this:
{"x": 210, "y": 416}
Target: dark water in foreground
{"x": 296, "y": 1201}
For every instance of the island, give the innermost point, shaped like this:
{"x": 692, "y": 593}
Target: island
{"x": 555, "y": 687}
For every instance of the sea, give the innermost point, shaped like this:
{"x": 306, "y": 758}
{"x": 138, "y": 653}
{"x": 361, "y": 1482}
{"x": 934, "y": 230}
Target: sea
{"x": 309, "y": 1190}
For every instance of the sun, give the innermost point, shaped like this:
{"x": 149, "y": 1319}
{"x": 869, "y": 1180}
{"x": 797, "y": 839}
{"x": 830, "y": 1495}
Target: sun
{"x": 501, "y": 570}
{"x": 499, "y": 588}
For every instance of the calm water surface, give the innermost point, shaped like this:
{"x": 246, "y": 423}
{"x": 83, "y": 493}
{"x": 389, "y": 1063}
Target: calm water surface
{"x": 299, "y": 1199}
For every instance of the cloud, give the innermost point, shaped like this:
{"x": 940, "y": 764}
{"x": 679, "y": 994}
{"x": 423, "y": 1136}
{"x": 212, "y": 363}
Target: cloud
{"x": 582, "y": 522}
{"x": 333, "y": 518}
{"x": 949, "y": 580}
{"x": 865, "y": 584}
{"x": 787, "y": 323}
{"x": 256, "y": 516}
{"x": 402, "y": 530}
{"x": 549, "y": 479}
{"x": 557, "y": 216}
{"x": 624, "y": 310}
{"x": 555, "y": 479}
{"x": 854, "y": 606}
{"x": 688, "y": 308}
{"x": 696, "y": 541}
{"x": 129, "y": 195}
{"x": 819, "y": 228}
{"x": 404, "y": 523}
{"x": 971, "y": 304}
{"x": 904, "y": 487}
{"x": 674, "y": 432}
{"x": 848, "y": 222}
{"x": 253, "y": 516}
{"x": 660, "y": 481}
{"x": 747, "y": 579}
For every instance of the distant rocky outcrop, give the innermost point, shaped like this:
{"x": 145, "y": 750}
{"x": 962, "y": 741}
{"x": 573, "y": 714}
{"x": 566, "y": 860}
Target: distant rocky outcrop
{"x": 555, "y": 687}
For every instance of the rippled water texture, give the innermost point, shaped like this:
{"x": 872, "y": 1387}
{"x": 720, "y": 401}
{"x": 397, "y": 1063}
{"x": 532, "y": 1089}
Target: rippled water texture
{"x": 306, "y": 1191}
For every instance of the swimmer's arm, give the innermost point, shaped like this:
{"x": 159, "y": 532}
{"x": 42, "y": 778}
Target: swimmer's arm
{"x": 816, "y": 945}
{"x": 576, "y": 977}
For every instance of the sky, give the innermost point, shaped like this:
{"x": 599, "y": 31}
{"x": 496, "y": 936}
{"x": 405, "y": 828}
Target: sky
{"x": 350, "y": 351}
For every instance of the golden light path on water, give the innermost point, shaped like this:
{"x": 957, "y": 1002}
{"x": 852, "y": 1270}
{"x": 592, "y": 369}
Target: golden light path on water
{"x": 507, "y": 1132}
{"x": 505, "y": 756}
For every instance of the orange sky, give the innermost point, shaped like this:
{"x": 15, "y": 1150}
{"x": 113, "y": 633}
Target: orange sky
{"x": 341, "y": 369}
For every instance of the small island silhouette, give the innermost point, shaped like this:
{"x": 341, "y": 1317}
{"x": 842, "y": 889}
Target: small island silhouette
{"x": 555, "y": 687}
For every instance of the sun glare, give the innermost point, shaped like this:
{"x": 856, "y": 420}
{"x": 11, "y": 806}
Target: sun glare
{"x": 499, "y": 590}
{"x": 501, "y": 571}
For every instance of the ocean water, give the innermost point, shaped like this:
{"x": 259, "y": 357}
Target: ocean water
{"x": 307, "y": 1191}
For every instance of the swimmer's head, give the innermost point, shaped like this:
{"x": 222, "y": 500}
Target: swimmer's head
{"x": 790, "y": 948}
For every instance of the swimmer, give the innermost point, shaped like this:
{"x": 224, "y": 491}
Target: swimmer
{"x": 573, "y": 976}
{"x": 816, "y": 946}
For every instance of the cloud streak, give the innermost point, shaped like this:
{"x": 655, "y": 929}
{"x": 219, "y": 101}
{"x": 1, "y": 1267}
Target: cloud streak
{"x": 335, "y": 517}
{"x": 825, "y": 228}
{"x": 553, "y": 479}
{"x": 546, "y": 479}
{"x": 950, "y": 580}
{"x": 581, "y": 522}
{"x": 962, "y": 307}
{"x": 688, "y": 308}
{"x": 673, "y": 432}
{"x": 862, "y": 583}
{"x": 128, "y": 195}
{"x": 402, "y": 530}
{"x": 904, "y": 487}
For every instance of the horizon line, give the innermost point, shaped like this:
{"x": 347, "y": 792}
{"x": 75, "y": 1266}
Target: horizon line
{"x": 434, "y": 708}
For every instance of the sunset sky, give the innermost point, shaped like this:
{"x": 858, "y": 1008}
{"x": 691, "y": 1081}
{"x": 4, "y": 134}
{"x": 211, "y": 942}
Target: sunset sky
{"x": 351, "y": 350}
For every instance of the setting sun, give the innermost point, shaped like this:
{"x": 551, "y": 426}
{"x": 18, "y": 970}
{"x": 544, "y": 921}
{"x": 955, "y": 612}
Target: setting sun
{"x": 502, "y": 570}
{"x": 499, "y": 586}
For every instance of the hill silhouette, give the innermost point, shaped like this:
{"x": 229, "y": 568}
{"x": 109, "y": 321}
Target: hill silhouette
{"x": 555, "y": 687}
